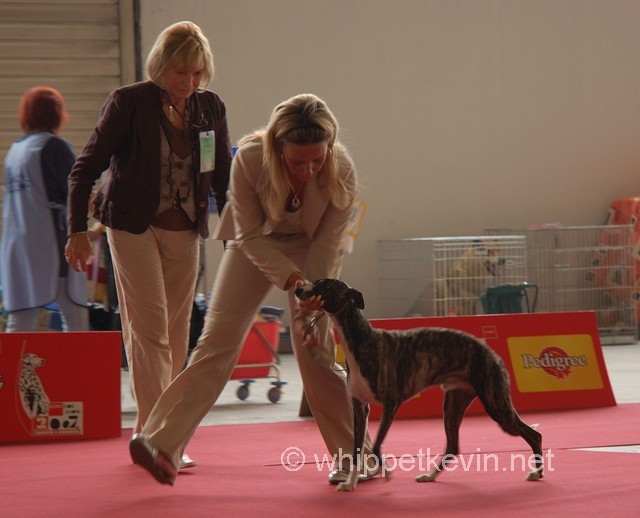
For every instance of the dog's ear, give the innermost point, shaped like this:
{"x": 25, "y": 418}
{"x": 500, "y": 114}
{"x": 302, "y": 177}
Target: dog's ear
{"x": 357, "y": 298}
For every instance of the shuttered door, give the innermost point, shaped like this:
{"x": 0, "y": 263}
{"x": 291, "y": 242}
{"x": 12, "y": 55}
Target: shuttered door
{"x": 83, "y": 48}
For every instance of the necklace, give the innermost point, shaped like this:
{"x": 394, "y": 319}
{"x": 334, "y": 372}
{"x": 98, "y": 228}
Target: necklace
{"x": 172, "y": 108}
{"x": 296, "y": 203}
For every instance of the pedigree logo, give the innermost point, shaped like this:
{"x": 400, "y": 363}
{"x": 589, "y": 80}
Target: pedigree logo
{"x": 554, "y": 363}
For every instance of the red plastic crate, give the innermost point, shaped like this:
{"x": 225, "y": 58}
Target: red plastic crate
{"x": 259, "y": 352}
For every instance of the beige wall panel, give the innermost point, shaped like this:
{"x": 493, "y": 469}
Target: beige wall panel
{"x": 461, "y": 115}
{"x": 64, "y": 12}
{"x": 58, "y": 31}
{"x": 59, "y": 67}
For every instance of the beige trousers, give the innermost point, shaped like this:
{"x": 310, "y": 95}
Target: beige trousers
{"x": 238, "y": 292}
{"x": 155, "y": 274}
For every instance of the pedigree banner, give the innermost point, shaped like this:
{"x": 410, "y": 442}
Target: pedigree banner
{"x": 554, "y": 363}
{"x": 554, "y": 360}
{"x": 56, "y": 385}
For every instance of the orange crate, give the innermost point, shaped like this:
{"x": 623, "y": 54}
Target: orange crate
{"x": 259, "y": 352}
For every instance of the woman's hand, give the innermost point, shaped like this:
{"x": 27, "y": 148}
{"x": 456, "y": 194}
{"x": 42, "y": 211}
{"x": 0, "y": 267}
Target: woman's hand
{"x": 78, "y": 251}
{"x": 296, "y": 280}
{"x": 305, "y": 319}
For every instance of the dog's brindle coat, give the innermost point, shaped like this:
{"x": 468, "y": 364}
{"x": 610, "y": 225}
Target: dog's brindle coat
{"x": 389, "y": 367}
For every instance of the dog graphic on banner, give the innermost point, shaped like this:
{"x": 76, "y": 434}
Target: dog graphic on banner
{"x": 33, "y": 397}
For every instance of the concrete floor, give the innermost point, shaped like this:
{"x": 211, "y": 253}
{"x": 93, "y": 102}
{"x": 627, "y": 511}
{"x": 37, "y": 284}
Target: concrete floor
{"x": 622, "y": 361}
{"x": 230, "y": 410}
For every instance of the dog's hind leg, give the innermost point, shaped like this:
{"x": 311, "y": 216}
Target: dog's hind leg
{"x": 456, "y": 402}
{"x": 360, "y": 416}
{"x": 514, "y": 425}
{"x": 501, "y": 410}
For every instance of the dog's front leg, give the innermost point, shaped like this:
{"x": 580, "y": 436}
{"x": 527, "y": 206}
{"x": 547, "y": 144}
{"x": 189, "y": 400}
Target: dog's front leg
{"x": 358, "y": 460}
{"x": 389, "y": 410}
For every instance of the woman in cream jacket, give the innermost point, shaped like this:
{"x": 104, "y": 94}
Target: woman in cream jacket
{"x": 292, "y": 193}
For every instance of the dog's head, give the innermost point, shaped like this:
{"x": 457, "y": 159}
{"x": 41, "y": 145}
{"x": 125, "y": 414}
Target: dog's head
{"x": 32, "y": 360}
{"x": 334, "y": 293}
{"x": 481, "y": 259}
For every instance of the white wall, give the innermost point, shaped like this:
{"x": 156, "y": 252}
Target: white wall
{"x": 460, "y": 114}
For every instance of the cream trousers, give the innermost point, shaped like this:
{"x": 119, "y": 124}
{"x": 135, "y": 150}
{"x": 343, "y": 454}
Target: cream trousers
{"x": 155, "y": 274}
{"x": 238, "y": 292}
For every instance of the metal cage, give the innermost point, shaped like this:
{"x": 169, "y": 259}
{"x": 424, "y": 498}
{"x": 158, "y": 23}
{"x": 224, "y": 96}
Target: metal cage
{"x": 440, "y": 276}
{"x": 584, "y": 268}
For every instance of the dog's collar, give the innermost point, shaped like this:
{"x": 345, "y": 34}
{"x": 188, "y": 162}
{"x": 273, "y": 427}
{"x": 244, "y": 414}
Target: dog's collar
{"x": 341, "y": 309}
{"x": 311, "y": 321}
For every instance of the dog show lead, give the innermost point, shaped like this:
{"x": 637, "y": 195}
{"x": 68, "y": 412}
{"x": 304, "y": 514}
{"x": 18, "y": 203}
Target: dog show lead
{"x": 293, "y": 190}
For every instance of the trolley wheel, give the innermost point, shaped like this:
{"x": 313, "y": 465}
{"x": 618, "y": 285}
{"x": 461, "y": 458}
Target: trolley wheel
{"x": 243, "y": 390}
{"x": 275, "y": 392}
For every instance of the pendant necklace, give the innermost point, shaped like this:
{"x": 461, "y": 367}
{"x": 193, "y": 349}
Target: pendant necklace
{"x": 183, "y": 115}
{"x": 295, "y": 201}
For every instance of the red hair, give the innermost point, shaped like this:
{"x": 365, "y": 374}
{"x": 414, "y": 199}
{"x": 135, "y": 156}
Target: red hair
{"x": 42, "y": 109}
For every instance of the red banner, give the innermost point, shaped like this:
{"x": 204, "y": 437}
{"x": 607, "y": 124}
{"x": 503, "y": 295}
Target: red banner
{"x": 57, "y": 385}
{"x": 554, "y": 359}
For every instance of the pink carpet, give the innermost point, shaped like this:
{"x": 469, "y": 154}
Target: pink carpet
{"x": 241, "y": 474}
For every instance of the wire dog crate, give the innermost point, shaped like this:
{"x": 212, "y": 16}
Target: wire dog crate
{"x": 585, "y": 268}
{"x": 443, "y": 276}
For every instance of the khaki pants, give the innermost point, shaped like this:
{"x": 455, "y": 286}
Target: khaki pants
{"x": 238, "y": 292}
{"x": 155, "y": 274}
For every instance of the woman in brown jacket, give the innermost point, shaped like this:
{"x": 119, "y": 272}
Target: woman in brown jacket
{"x": 164, "y": 144}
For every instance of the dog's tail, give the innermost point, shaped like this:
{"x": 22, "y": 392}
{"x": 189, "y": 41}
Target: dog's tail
{"x": 496, "y": 396}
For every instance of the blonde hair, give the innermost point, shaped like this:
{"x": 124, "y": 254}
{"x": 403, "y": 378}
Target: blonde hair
{"x": 180, "y": 44}
{"x": 301, "y": 120}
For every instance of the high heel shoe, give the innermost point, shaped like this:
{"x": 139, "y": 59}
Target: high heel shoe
{"x": 154, "y": 461}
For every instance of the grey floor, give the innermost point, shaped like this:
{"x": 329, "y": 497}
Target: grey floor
{"x": 230, "y": 410}
{"x": 622, "y": 361}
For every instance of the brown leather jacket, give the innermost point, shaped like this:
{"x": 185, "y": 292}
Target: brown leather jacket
{"x": 126, "y": 143}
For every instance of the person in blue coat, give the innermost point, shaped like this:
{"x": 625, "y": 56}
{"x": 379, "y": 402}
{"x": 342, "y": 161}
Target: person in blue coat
{"x": 33, "y": 270}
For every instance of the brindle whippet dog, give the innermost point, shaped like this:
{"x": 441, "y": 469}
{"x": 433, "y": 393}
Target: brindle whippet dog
{"x": 389, "y": 367}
